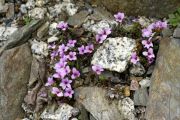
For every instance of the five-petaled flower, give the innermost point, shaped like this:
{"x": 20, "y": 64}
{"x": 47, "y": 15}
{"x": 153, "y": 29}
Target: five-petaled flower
{"x": 68, "y": 92}
{"x": 62, "y": 25}
{"x": 65, "y": 83}
{"x": 134, "y": 58}
{"x": 119, "y": 17}
{"x": 57, "y": 91}
{"x": 72, "y": 56}
{"x": 147, "y": 43}
{"x": 71, "y": 43}
{"x": 50, "y": 81}
{"x": 149, "y": 53}
{"x": 97, "y": 69}
{"x": 75, "y": 73}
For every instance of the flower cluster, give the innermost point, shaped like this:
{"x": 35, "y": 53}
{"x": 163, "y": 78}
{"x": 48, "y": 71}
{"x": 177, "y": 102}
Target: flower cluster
{"x": 102, "y": 35}
{"x": 147, "y": 34}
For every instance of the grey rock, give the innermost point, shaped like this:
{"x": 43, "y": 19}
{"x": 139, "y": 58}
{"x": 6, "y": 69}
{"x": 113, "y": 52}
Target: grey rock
{"x": 14, "y": 71}
{"x": 78, "y": 19}
{"x": 99, "y": 107}
{"x": 137, "y": 70}
{"x": 167, "y": 33}
{"x": 140, "y": 8}
{"x": 75, "y": 112}
{"x": 176, "y": 33}
{"x": 41, "y": 3}
{"x": 91, "y": 117}
{"x": 62, "y": 113}
{"x": 39, "y": 48}
{"x": 145, "y": 82}
{"x": 52, "y": 29}
{"x": 150, "y": 70}
{"x": 10, "y": 12}
{"x": 30, "y": 4}
{"x": 52, "y": 39}
{"x": 2, "y": 2}
{"x": 164, "y": 98}
{"x": 23, "y": 9}
{"x": 43, "y": 30}
{"x": 38, "y": 13}
{"x": 114, "y": 54}
{"x": 5, "y": 32}
{"x": 84, "y": 115}
{"x": 21, "y": 36}
{"x": 141, "y": 97}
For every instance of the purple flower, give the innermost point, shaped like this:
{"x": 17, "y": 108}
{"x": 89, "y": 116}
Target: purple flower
{"x": 62, "y": 25}
{"x": 63, "y": 48}
{"x": 60, "y": 65}
{"x": 149, "y": 54}
{"x": 147, "y": 43}
{"x": 67, "y": 69}
{"x": 89, "y": 48}
{"x": 119, "y": 17}
{"x": 57, "y": 92}
{"x": 60, "y": 73}
{"x": 150, "y": 60}
{"x": 100, "y": 38}
{"x": 71, "y": 43}
{"x": 72, "y": 56}
{"x": 161, "y": 25}
{"x": 81, "y": 50}
{"x": 134, "y": 58}
{"x": 50, "y": 81}
{"x": 52, "y": 46}
{"x": 105, "y": 31}
{"x": 97, "y": 69}
{"x": 68, "y": 92}
{"x": 75, "y": 73}
{"x": 146, "y": 32}
{"x": 65, "y": 83}
{"x": 54, "y": 54}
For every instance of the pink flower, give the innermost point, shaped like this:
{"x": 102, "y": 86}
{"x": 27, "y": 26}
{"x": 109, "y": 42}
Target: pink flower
{"x": 100, "y": 38}
{"x": 60, "y": 73}
{"x": 52, "y": 46}
{"x": 75, "y": 73}
{"x": 150, "y": 60}
{"x": 105, "y": 31}
{"x": 63, "y": 48}
{"x": 57, "y": 92}
{"x": 147, "y": 43}
{"x": 60, "y": 65}
{"x": 67, "y": 69}
{"x": 54, "y": 54}
{"x": 81, "y": 50}
{"x": 134, "y": 58}
{"x": 50, "y": 81}
{"x": 71, "y": 43}
{"x": 146, "y": 32}
{"x": 68, "y": 92}
{"x": 89, "y": 48}
{"x": 160, "y": 25}
{"x": 97, "y": 69}
{"x": 149, "y": 53}
{"x": 72, "y": 56}
{"x": 119, "y": 17}
{"x": 62, "y": 25}
{"x": 65, "y": 83}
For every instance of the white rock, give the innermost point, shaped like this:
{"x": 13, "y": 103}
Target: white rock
{"x": 40, "y": 48}
{"x": 52, "y": 39}
{"x": 145, "y": 82}
{"x": 71, "y": 9}
{"x": 54, "y": 11}
{"x": 6, "y": 31}
{"x": 91, "y": 26}
{"x": 37, "y": 13}
{"x": 23, "y": 8}
{"x": 126, "y": 107}
{"x": 30, "y": 4}
{"x": 62, "y": 113}
{"x": 52, "y": 29}
{"x": 114, "y": 54}
{"x": 41, "y": 3}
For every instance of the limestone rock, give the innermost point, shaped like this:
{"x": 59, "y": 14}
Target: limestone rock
{"x": 95, "y": 102}
{"x": 52, "y": 29}
{"x": 137, "y": 70}
{"x": 164, "y": 98}
{"x": 141, "y": 97}
{"x": 52, "y": 39}
{"x": 145, "y": 82}
{"x": 62, "y": 113}
{"x": 30, "y": 4}
{"x": 38, "y": 13}
{"x": 177, "y": 33}
{"x": 5, "y": 32}
{"x": 114, "y": 54}
{"x": 42, "y": 31}
{"x": 14, "y": 71}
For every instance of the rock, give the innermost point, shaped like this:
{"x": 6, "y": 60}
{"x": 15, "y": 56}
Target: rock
{"x": 43, "y": 30}
{"x": 145, "y": 82}
{"x": 99, "y": 107}
{"x": 134, "y": 85}
{"x": 137, "y": 70}
{"x": 91, "y": 117}
{"x": 14, "y": 71}
{"x": 70, "y": 8}
{"x": 2, "y": 2}
{"x": 164, "y": 98}
{"x": 30, "y": 4}
{"x": 55, "y": 10}
{"x": 150, "y": 70}
{"x": 167, "y": 32}
{"x": 176, "y": 33}
{"x": 126, "y": 107}
{"x": 127, "y": 91}
{"x": 83, "y": 112}
{"x": 52, "y": 29}
{"x": 11, "y": 11}
{"x": 114, "y": 54}
{"x": 141, "y": 97}
{"x": 75, "y": 112}
{"x": 5, "y": 32}
{"x": 38, "y": 13}
{"x": 21, "y": 36}
{"x": 52, "y": 39}
{"x": 62, "y": 113}
{"x": 91, "y": 26}
{"x": 41, "y": 3}
{"x": 78, "y": 19}
{"x": 39, "y": 48}
{"x": 140, "y": 8}
{"x": 23, "y": 9}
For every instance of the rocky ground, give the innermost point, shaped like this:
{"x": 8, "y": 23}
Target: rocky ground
{"x": 123, "y": 91}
